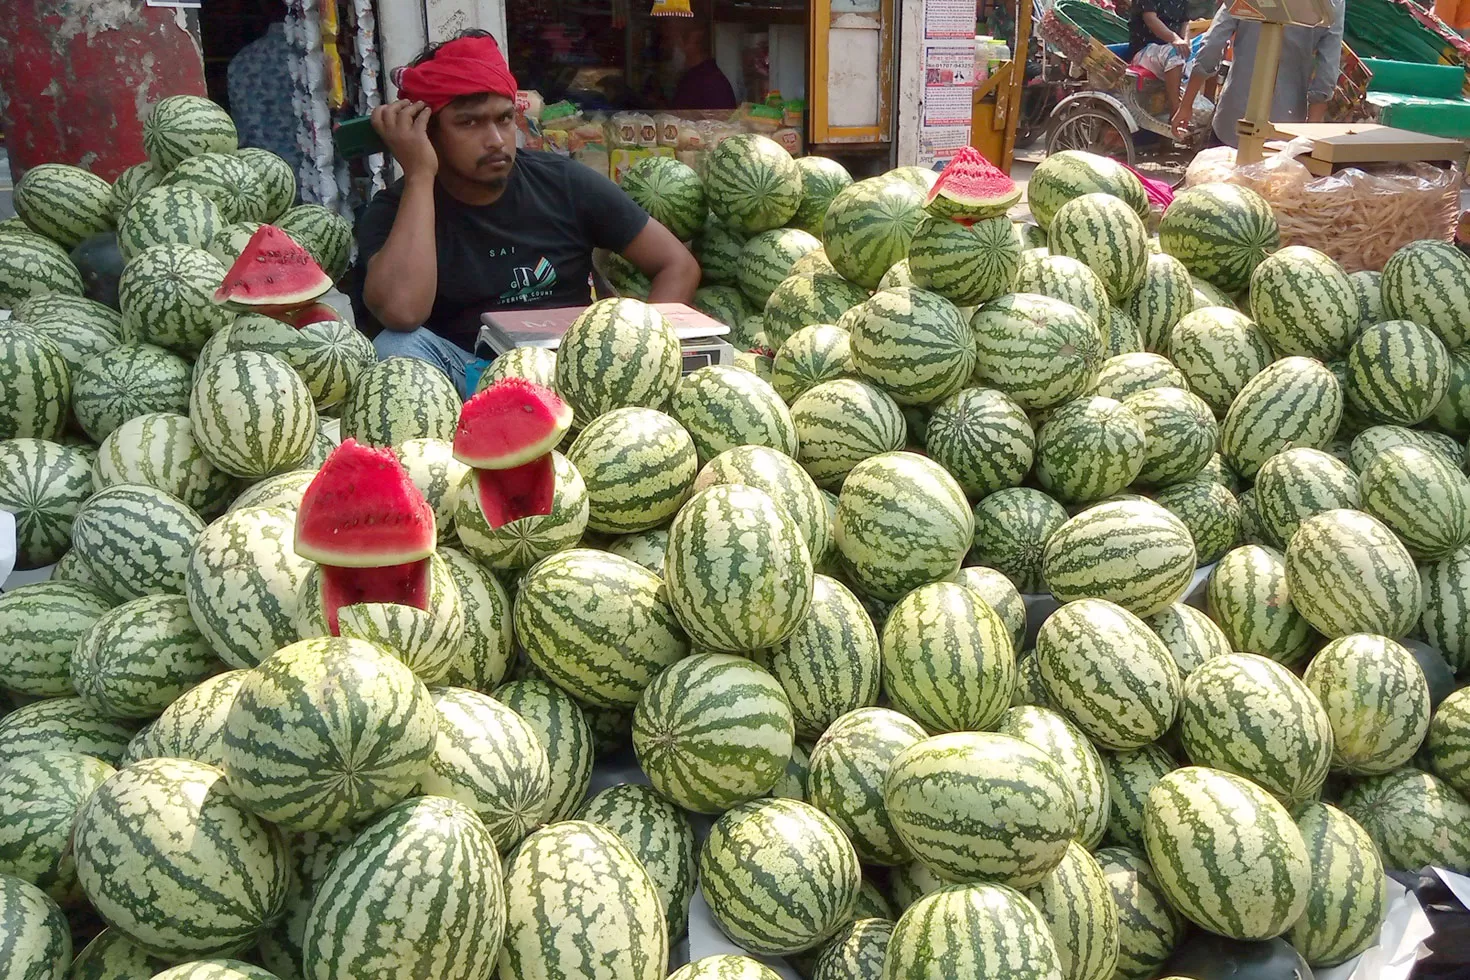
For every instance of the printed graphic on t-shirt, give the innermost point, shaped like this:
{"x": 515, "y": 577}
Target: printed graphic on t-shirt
{"x": 530, "y": 283}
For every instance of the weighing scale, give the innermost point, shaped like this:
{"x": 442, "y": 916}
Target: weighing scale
{"x": 701, "y": 337}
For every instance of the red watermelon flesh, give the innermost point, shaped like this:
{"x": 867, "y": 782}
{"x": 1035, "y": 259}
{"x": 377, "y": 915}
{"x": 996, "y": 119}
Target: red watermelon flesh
{"x": 510, "y": 423}
{"x": 971, "y": 188}
{"x": 527, "y": 490}
{"x": 404, "y": 585}
{"x": 363, "y": 511}
{"x": 303, "y": 316}
{"x": 272, "y": 273}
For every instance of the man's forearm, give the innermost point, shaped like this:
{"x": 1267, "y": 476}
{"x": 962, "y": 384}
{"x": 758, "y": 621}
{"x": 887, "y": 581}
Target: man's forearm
{"x": 675, "y": 284}
{"x": 403, "y": 276}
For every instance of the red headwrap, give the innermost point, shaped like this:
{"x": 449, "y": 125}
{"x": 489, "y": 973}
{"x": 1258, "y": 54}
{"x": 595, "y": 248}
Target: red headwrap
{"x": 464, "y": 66}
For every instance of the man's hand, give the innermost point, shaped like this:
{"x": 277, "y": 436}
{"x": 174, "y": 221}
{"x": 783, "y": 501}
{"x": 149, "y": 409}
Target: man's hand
{"x": 1182, "y": 46}
{"x": 404, "y": 127}
{"x": 1183, "y": 117}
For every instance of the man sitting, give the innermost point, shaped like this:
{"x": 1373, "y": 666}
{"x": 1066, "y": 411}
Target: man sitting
{"x": 475, "y": 225}
{"x": 1156, "y": 43}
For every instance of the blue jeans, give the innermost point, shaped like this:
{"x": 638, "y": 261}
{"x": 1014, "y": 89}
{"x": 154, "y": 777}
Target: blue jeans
{"x": 425, "y": 345}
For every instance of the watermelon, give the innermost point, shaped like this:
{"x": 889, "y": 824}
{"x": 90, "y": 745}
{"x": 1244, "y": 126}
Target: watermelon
{"x": 227, "y": 180}
{"x": 322, "y": 232}
{"x": 857, "y": 949}
{"x": 625, "y": 278}
{"x": 1452, "y": 414}
{"x": 40, "y": 794}
{"x": 330, "y": 354}
{"x": 535, "y": 364}
{"x": 564, "y": 735}
{"x": 1424, "y": 282}
{"x": 848, "y": 767}
{"x": 924, "y": 178}
{"x": 1131, "y": 774}
{"x": 1064, "y": 278}
{"x": 1012, "y": 528}
{"x": 1422, "y": 498}
{"x": 983, "y": 438}
{"x": 914, "y": 344}
{"x": 1221, "y": 232}
{"x": 803, "y": 300}
{"x": 1064, "y": 176}
{"x": 133, "y": 181}
{"x": 1414, "y": 818}
{"x": 724, "y": 303}
{"x": 1149, "y": 928}
{"x": 660, "y": 837}
{"x": 1397, "y": 372}
{"x": 139, "y": 657}
{"x": 1297, "y": 484}
{"x": 431, "y": 465}
{"x": 1376, "y": 699}
{"x": 1180, "y": 434}
{"x": 1304, "y": 303}
{"x": 112, "y": 956}
{"x": 311, "y": 858}
{"x": 972, "y": 930}
{"x": 1226, "y": 854}
{"x": 869, "y": 226}
{"x": 1348, "y": 573}
{"x": 1105, "y": 233}
{"x": 1446, "y": 745}
{"x": 842, "y": 422}
{"x": 902, "y": 521}
{"x": 229, "y": 870}
{"x": 523, "y": 542}
{"x": 64, "y": 203}
{"x": 976, "y": 805}
{"x": 1078, "y": 760}
{"x": 37, "y": 386}
{"x": 618, "y": 353}
{"x": 457, "y": 897}
{"x": 193, "y": 726}
{"x": 159, "y": 450}
{"x": 1294, "y": 402}
{"x": 1348, "y": 896}
{"x": 725, "y": 966}
{"x": 581, "y": 904}
{"x": 40, "y": 625}
{"x": 1128, "y": 374}
{"x": 185, "y": 125}
{"x": 787, "y": 484}
{"x": 128, "y": 381}
{"x": 752, "y": 183}
{"x": 1120, "y": 332}
{"x": 1078, "y": 907}
{"x": 971, "y": 188}
{"x": 217, "y": 969}
{"x": 911, "y": 882}
{"x": 1040, "y": 351}
{"x": 1209, "y": 511}
{"x": 1000, "y": 594}
{"x": 813, "y": 263}
{"x": 136, "y": 540}
{"x": 283, "y": 491}
{"x": 670, "y": 191}
{"x": 967, "y": 264}
{"x": 275, "y": 181}
{"x": 35, "y": 267}
{"x": 811, "y": 355}
{"x": 1249, "y": 597}
{"x": 721, "y": 408}
{"x": 1376, "y": 439}
{"x": 1161, "y": 300}
{"x": 1131, "y": 552}
{"x": 766, "y": 259}
{"x": 717, "y": 247}
{"x": 1089, "y": 449}
{"x": 399, "y": 399}
{"x": 177, "y": 215}
{"x": 80, "y": 327}
{"x": 37, "y": 936}
{"x": 822, "y": 179}
{"x": 948, "y": 659}
{"x": 43, "y": 485}
{"x": 261, "y": 388}
{"x": 638, "y": 466}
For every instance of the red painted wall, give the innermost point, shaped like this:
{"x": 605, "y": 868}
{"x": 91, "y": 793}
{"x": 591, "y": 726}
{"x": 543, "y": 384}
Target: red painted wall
{"x": 77, "y": 77}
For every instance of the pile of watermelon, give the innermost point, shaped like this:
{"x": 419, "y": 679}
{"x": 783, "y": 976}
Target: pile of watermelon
{"x": 292, "y": 709}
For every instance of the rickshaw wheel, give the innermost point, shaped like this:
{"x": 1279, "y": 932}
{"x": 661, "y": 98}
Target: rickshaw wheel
{"x": 1093, "y": 128}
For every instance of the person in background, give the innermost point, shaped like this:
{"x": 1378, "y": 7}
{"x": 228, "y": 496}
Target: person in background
{"x": 1455, "y": 13}
{"x": 476, "y": 225}
{"x": 702, "y": 85}
{"x": 1311, "y": 59}
{"x": 259, "y": 85}
{"x": 1156, "y": 42}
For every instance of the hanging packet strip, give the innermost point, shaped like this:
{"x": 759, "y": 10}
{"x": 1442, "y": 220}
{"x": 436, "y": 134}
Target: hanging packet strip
{"x": 671, "y": 8}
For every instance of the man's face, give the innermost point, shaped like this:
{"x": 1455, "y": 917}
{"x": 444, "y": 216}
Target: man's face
{"x": 476, "y": 139}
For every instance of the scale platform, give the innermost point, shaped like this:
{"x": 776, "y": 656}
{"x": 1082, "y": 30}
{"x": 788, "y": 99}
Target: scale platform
{"x": 700, "y": 335}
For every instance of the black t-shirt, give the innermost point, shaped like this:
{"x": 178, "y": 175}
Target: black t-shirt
{"x": 532, "y": 248}
{"x": 1174, "y": 14}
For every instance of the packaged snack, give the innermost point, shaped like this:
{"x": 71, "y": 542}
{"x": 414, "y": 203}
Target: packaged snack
{"x": 790, "y": 139}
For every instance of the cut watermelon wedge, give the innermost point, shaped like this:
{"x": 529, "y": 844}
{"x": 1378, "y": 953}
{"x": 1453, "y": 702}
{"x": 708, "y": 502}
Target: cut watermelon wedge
{"x": 404, "y": 585}
{"x": 971, "y": 188}
{"x": 506, "y": 434}
{"x": 273, "y": 273}
{"x": 363, "y": 511}
{"x": 528, "y": 490}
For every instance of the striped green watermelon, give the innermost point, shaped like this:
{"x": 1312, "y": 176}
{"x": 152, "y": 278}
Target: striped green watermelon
{"x": 580, "y": 904}
{"x": 200, "y": 876}
{"x": 948, "y": 659}
{"x": 1109, "y": 673}
{"x": 193, "y": 726}
{"x": 64, "y": 203}
{"x": 217, "y": 969}
{"x": 283, "y": 491}
{"x": 1452, "y": 414}
{"x": 1397, "y": 372}
{"x": 1180, "y": 434}
{"x": 1226, "y": 854}
{"x": 1078, "y": 760}
{"x": 139, "y": 657}
{"x": 1131, "y": 774}
{"x": 177, "y": 215}
{"x": 1067, "y": 175}
{"x": 400, "y": 399}
{"x": 1422, "y": 498}
{"x": 532, "y": 363}
{"x": 1191, "y": 636}
{"x": 488, "y": 758}
{"x": 660, "y": 837}
{"x": 521, "y": 543}
{"x": 803, "y": 300}
{"x": 725, "y": 966}
{"x": 1040, "y": 351}
{"x": 717, "y": 247}
{"x": 330, "y": 355}
{"x": 1161, "y": 300}
{"x": 1424, "y": 282}
{"x": 914, "y": 344}
{"x": 822, "y": 179}
{"x": 1367, "y": 286}
{"x": 779, "y": 875}
{"x": 562, "y": 730}
{"x": 1348, "y": 897}
{"x": 869, "y": 226}
{"x": 1079, "y": 909}
{"x": 36, "y": 385}
{"x": 646, "y": 548}
{"x": 431, "y": 465}
{"x": 738, "y": 571}
{"x": 1089, "y": 449}
{"x": 597, "y": 625}
{"x": 897, "y": 275}
{"x": 1216, "y": 470}
{"x": 37, "y": 939}
{"x": 322, "y": 232}
{"x": 638, "y": 465}
{"x": 40, "y": 625}
{"x": 359, "y": 743}
{"x": 43, "y": 485}
{"x": 276, "y": 181}
{"x": 311, "y": 860}
{"x": 1062, "y": 278}
{"x": 670, "y": 191}
{"x": 713, "y": 731}
{"x": 842, "y": 422}
{"x": 1448, "y": 742}
{"x": 136, "y": 540}
{"x": 766, "y": 259}
{"x": 1130, "y": 552}
{"x": 1249, "y": 716}
{"x": 252, "y": 415}
{"x": 752, "y": 183}
{"x": 1304, "y": 303}
{"x": 1414, "y": 818}
{"x": 1376, "y": 439}
{"x": 979, "y": 930}
{"x": 1251, "y": 601}
{"x": 721, "y": 407}
{"x": 975, "y": 805}
{"x": 724, "y": 303}
{"x": 158, "y": 450}
{"x": 62, "y": 725}
{"x": 966, "y": 263}
{"x": 913, "y": 881}
{"x": 1294, "y": 402}
{"x": 831, "y": 665}
{"x": 1376, "y": 699}
{"x": 1299, "y": 483}
{"x": 1209, "y": 511}
{"x": 1103, "y": 232}
{"x": 132, "y": 182}
{"x": 185, "y": 125}
{"x": 34, "y": 267}
{"x": 1348, "y": 573}
{"x": 1128, "y": 374}
{"x": 612, "y": 730}
{"x": 848, "y": 767}
{"x": 787, "y": 484}
{"x": 618, "y": 353}
{"x": 127, "y": 381}
{"x": 1012, "y": 528}
{"x": 857, "y": 949}
{"x": 112, "y": 956}
{"x": 902, "y": 521}
{"x": 418, "y": 889}
{"x": 488, "y": 647}
{"x": 1120, "y": 333}
{"x": 1000, "y": 594}
{"x": 40, "y": 794}
{"x": 227, "y": 180}
{"x": 813, "y": 263}
{"x": 983, "y": 438}
{"x": 80, "y": 327}
{"x": 1149, "y": 928}
{"x": 625, "y": 278}
{"x": 1221, "y": 232}
{"x": 811, "y": 355}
